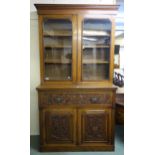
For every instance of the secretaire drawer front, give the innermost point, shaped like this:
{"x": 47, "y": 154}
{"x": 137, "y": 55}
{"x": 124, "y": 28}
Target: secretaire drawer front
{"x": 50, "y": 98}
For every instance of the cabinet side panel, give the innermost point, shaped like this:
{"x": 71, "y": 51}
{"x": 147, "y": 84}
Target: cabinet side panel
{"x": 40, "y": 19}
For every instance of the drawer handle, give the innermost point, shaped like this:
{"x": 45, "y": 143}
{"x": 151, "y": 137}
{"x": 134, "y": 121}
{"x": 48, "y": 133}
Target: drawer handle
{"x": 94, "y": 99}
{"x": 58, "y": 99}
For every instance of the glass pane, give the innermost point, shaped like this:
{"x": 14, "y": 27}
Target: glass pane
{"x": 96, "y": 49}
{"x": 57, "y": 49}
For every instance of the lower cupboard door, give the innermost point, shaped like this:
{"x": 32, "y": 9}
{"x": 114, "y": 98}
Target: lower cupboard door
{"x": 58, "y": 127}
{"x": 95, "y": 127}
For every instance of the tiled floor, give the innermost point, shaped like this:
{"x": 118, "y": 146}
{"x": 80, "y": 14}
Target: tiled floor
{"x": 119, "y": 146}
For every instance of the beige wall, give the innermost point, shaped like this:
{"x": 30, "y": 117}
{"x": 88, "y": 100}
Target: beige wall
{"x": 34, "y": 57}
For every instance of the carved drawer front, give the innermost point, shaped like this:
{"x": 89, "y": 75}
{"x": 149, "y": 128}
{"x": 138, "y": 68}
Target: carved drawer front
{"x": 60, "y": 126}
{"x": 94, "y": 126}
{"x": 48, "y": 98}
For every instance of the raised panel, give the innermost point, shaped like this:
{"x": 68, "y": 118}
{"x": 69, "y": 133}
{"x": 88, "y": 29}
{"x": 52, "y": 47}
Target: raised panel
{"x": 94, "y": 126}
{"x": 59, "y": 126}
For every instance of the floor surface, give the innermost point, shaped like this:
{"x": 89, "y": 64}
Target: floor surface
{"x": 119, "y": 146}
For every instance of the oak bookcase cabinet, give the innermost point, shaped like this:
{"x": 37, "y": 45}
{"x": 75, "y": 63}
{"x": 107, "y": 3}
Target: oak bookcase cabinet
{"x": 76, "y": 95}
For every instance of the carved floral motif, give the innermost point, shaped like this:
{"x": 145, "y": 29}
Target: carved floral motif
{"x": 52, "y": 99}
{"x": 95, "y": 127}
{"x": 58, "y": 128}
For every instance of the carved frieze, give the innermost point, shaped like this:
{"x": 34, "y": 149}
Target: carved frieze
{"x": 60, "y": 99}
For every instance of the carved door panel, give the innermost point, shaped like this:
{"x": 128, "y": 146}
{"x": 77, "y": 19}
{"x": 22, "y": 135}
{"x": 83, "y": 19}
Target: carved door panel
{"x": 94, "y": 126}
{"x": 60, "y": 126}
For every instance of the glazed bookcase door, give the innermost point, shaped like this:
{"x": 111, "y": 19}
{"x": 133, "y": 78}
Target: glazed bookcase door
{"x": 59, "y": 127}
{"x": 58, "y": 40}
{"x": 96, "y": 46}
{"x": 94, "y": 127}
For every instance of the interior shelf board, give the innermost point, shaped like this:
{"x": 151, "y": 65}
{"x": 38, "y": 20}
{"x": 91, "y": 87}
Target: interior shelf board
{"x": 57, "y": 46}
{"x": 57, "y": 61}
{"x": 96, "y": 33}
{"x": 91, "y": 61}
{"x": 57, "y": 78}
{"x": 96, "y": 46}
{"x": 92, "y": 78}
{"x": 58, "y": 33}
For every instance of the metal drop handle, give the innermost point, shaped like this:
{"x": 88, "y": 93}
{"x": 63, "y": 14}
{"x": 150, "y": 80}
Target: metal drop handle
{"x": 58, "y": 99}
{"x": 94, "y": 99}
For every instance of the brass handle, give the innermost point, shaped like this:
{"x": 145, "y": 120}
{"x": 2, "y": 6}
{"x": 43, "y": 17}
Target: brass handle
{"x": 58, "y": 99}
{"x": 94, "y": 99}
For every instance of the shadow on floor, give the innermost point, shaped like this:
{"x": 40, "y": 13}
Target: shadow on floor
{"x": 34, "y": 142}
{"x": 119, "y": 134}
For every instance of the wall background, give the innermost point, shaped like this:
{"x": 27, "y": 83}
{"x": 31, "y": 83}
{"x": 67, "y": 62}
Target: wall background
{"x": 34, "y": 55}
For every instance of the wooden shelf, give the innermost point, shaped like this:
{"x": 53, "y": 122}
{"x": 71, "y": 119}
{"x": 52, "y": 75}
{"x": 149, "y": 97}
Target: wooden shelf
{"x": 94, "y": 78}
{"x": 58, "y": 33}
{"x": 52, "y": 36}
{"x": 56, "y": 78}
{"x": 96, "y": 33}
{"x": 92, "y": 61}
{"x": 57, "y": 46}
{"x": 96, "y": 46}
{"x": 57, "y": 61}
